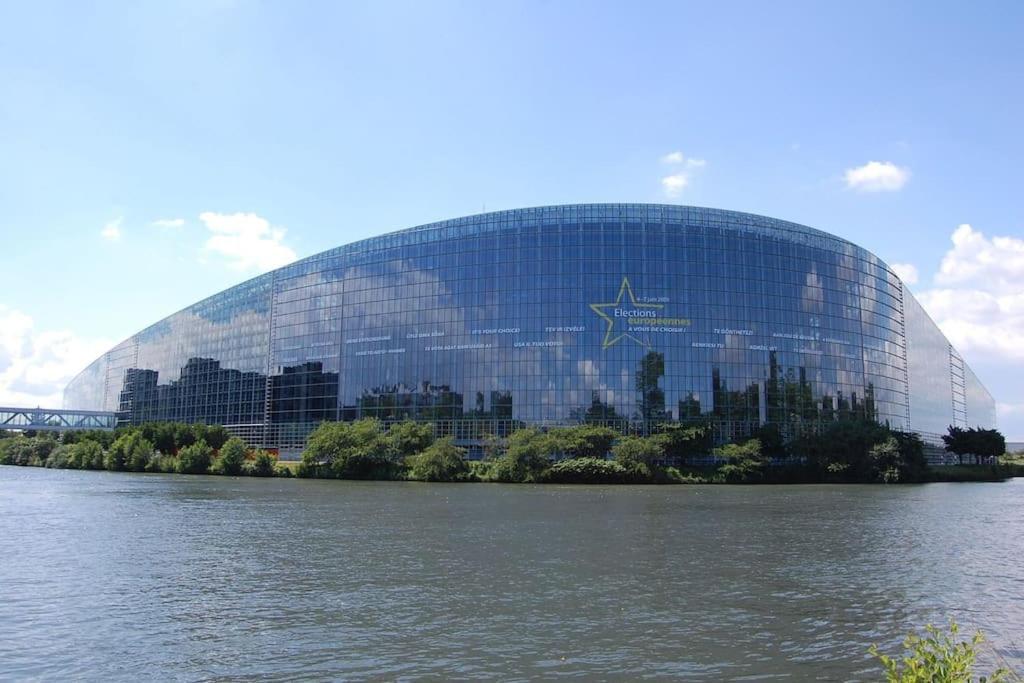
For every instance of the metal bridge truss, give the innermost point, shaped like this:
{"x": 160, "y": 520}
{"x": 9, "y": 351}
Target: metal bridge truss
{"x": 41, "y": 419}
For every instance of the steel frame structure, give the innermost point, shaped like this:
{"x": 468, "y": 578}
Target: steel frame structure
{"x": 46, "y": 420}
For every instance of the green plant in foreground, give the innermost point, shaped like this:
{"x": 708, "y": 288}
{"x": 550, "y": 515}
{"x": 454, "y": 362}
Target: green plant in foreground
{"x": 441, "y": 461}
{"x": 263, "y": 464}
{"x": 231, "y": 457}
{"x": 195, "y": 458}
{"x": 937, "y": 657}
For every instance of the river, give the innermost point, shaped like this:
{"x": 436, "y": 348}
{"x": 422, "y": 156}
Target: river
{"x": 107, "y": 576}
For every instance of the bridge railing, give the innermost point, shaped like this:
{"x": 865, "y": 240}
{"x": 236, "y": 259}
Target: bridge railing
{"x": 43, "y": 419}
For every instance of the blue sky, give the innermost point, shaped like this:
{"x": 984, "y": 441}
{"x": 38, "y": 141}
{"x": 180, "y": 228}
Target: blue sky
{"x": 132, "y": 134}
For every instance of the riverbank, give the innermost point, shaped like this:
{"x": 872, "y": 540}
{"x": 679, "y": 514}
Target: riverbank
{"x": 968, "y": 473}
{"x": 845, "y": 452}
{"x": 573, "y": 471}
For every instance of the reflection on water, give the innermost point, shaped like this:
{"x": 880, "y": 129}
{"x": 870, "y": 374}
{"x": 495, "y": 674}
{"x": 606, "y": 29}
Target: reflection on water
{"x": 117, "y": 576}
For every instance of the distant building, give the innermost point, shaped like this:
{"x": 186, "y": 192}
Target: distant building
{"x": 621, "y": 314}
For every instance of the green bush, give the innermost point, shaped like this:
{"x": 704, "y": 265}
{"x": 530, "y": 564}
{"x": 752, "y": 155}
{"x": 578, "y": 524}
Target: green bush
{"x": 308, "y": 468}
{"x": 264, "y": 464}
{"x": 580, "y": 441}
{"x": 163, "y": 463}
{"x": 60, "y": 458}
{"x": 409, "y": 438}
{"x": 638, "y": 451}
{"x": 130, "y": 451}
{"x": 195, "y": 459}
{"x": 350, "y": 450}
{"x": 33, "y": 451}
{"x": 480, "y": 470}
{"x": 912, "y": 465}
{"x": 588, "y": 471}
{"x": 162, "y": 435}
{"x": 525, "y": 459}
{"x": 217, "y": 436}
{"x": 103, "y": 438}
{"x": 674, "y": 475}
{"x": 936, "y": 657}
{"x": 231, "y": 457}
{"x": 184, "y": 436}
{"x": 139, "y": 456}
{"x": 15, "y": 451}
{"x": 86, "y": 455}
{"x": 441, "y": 461}
{"x": 682, "y": 440}
{"x": 744, "y": 462}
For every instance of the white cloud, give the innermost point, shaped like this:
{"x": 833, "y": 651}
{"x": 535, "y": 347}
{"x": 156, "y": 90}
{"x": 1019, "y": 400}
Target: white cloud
{"x": 248, "y": 241}
{"x": 906, "y": 272}
{"x": 112, "y": 230}
{"x": 168, "y": 223}
{"x": 36, "y": 365}
{"x": 998, "y": 263}
{"x": 674, "y": 183}
{"x": 981, "y": 305}
{"x": 976, "y": 320}
{"x": 877, "y": 176}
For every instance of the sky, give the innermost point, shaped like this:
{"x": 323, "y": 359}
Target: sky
{"x": 154, "y": 153}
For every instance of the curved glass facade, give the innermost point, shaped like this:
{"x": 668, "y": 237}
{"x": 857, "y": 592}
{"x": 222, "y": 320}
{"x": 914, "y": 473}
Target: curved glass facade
{"x": 628, "y": 315}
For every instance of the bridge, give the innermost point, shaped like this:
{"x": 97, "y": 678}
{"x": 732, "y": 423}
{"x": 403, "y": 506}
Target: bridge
{"x": 44, "y": 420}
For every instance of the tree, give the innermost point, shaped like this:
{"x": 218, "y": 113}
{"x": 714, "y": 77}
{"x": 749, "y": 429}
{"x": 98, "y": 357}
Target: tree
{"x": 885, "y": 459}
{"x": 217, "y": 436}
{"x": 773, "y": 445}
{"x": 743, "y": 462}
{"x": 164, "y": 437}
{"x": 493, "y": 447}
{"x": 60, "y": 457}
{"x": 117, "y": 454}
{"x": 842, "y": 450}
{"x": 957, "y": 442}
{"x": 983, "y": 443}
{"x": 441, "y": 461}
{"x": 580, "y": 441}
{"x": 408, "y": 437}
{"x": 262, "y": 465}
{"x": 86, "y": 455}
{"x": 195, "y": 458}
{"x": 637, "y": 452}
{"x": 684, "y": 441}
{"x": 525, "y": 459}
{"x": 913, "y": 465}
{"x": 25, "y": 450}
{"x": 350, "y": 450}
{"x": 232, "y": 456}
{"x": 140, "y": 452}
{"x": 591, "y": 471}
{"x": 131, "y": 451}
{"x": 989, "y": 443}
{"x": 183, "y": 436}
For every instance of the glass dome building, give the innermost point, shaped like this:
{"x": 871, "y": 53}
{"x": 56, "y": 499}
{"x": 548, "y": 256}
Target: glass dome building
{"x": 628, "y": 315}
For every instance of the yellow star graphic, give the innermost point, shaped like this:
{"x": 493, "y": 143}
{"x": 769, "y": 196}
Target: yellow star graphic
{"x": 598, "y": 308}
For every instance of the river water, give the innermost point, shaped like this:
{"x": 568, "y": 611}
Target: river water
{"x": 131, "y": 577}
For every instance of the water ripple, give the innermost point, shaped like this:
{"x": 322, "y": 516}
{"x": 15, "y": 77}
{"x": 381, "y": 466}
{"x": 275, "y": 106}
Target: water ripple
{"x": 127, "y": 577}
